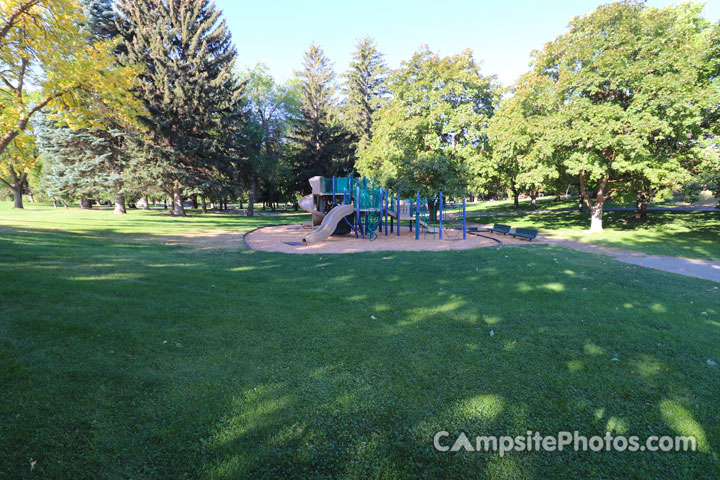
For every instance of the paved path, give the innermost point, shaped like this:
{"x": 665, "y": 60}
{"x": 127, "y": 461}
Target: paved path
{"x": 691, "y": 267}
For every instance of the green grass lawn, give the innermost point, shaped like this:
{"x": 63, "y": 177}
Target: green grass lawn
{"x": 681, "y": 234}
{"x": 543, "y": 203}
{"x": 138, "y": 360}
{"x": 549, "y": 203}
{"x": 137, "y": 223}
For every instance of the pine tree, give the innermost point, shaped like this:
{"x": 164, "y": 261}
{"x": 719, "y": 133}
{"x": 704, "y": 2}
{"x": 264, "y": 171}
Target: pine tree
{"x": 365, "y": 88}
{"x": 80, "y": 163}
{"x": 100, "y": 19}
{"x": 322, "y": 144}
{"x": 188, "y": 88}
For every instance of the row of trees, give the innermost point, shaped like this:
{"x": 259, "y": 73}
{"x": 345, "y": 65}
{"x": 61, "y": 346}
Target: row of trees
{"x": 156, "y": 107}
{"x": 624, "y": 106}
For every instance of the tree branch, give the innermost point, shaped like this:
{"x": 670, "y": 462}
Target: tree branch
{"x": 21, "y": 9}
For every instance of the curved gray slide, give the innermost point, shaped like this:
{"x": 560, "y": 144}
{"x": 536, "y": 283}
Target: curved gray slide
{"x": 329, "y": 223}
{"x": 307, "y": 204}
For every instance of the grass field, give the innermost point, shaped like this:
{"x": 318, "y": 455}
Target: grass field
{"x": 127, "y": 359}
{"x": 549, "y": 203}
{"x": 680, "y": 234}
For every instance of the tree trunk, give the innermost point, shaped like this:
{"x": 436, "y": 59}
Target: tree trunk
{"x": 203, "y": 203}
{"x": 178, "y": 209}
{"x": 17, "y": 186}
{"x": 641, "y": 210}
{"x": 596, "y": 209}
{"x": 251, "y": 199}
{"x": 146, "y": 205}
{"x": 30, "y": 197}
{"x": 85, "y": 203}
{"x": 194, "y": 202}
{"x": 533, "y": 199}
{"x": 54, "y": 203}
{"x": 119, "y": 204}
{"x": 17, "y": 197}
{"x": 581, "y": 204}
{"x": 596, "y": 214}
{"x": 641, "y": 205}
{"x": 516, "y": 197}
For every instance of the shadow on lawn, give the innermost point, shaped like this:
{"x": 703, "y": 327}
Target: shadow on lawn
{"x": 253, "y": 364}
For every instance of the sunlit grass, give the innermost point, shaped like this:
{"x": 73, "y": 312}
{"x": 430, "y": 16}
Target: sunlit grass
{"x": 685, "y": 234}
{"x": 126, "y": 359}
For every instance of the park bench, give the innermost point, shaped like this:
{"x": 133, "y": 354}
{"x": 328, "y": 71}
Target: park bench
{"x": 500, "y": 228}
{"x": 528, "y": 233}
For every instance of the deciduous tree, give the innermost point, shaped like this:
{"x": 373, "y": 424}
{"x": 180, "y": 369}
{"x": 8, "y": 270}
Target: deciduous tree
{"x": 47, "y": 60}
{"x": 629, "y": 99}
{"x": 434, "y": 128}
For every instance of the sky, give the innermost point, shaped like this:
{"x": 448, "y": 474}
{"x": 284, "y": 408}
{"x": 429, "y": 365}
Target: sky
{"x": 501, "y": 33}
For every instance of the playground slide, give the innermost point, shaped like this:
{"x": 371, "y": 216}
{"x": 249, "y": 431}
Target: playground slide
{"x": 329, "y": 223}
{"x": 307, "y": 204}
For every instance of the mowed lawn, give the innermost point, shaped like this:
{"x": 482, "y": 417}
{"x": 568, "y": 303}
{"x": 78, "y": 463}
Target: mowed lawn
{"x": 674, "y": 233}
{"x": 128, "y": 359}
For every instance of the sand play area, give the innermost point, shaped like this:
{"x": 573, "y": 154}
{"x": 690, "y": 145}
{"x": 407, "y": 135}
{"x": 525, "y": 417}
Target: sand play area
{"x": 288, "y": 239}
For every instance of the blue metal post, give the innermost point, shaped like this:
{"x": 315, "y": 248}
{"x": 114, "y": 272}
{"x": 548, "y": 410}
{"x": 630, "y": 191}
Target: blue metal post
{"x": 441, "y": 212}
{"x": 380, "y": 226}
{"x": 397, "y": 212}
{"x": 411, "y": 209}
{"x": 334, "y": 201}
{"x": 386, "y": 213}
{"x": 464, "y": 224}
{"x": 357, "y": 212}
{"x": 417, "y": 217}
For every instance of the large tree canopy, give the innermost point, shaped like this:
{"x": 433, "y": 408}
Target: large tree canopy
{"x": 271, "y": 111}
{"x": 48, "y": 59}
{"x": 434, "y": 127}
{"x": 521, "y": 160}
{"x": 628, "y": 97}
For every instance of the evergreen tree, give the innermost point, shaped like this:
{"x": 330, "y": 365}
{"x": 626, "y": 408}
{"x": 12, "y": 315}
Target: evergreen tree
{"x": 81, "y": 163}
{"x": 188, "y": 89}
{"x": 100, "y": 19}
{"x": 365, "y": 88}
{"x": 322, "y": 144}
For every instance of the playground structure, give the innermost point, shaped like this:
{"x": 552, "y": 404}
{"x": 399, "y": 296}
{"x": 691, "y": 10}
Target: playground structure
{"x": 341, "y": 205}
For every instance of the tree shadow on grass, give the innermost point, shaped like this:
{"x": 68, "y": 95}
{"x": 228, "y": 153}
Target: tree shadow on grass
{"x": 140, "y": 360}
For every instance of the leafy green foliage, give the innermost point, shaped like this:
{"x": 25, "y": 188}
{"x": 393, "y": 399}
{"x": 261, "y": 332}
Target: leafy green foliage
{"x": 627, "y": 99}
{"x": 435, "y": 126}
{"x": 521, "y": 160}
{"x": 271, "y": 110}
{"x": 49, "y": 59}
